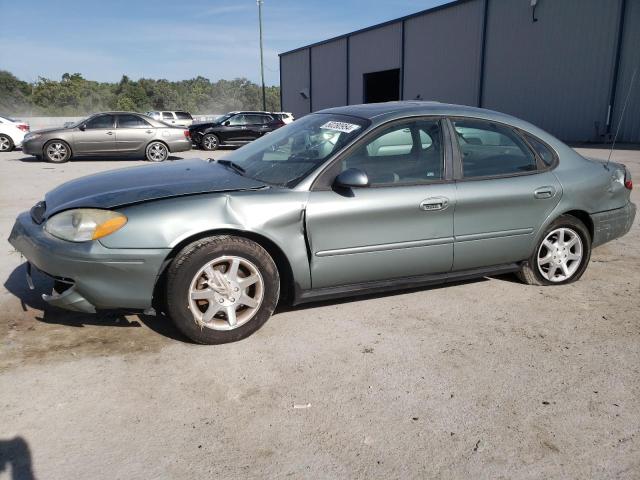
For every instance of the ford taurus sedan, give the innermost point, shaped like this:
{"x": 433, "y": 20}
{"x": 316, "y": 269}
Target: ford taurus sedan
{"x": 112, "y": 134}
{"x": 341, "y": 202}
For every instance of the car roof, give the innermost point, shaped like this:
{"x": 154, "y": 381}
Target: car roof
{"x": 373, "y": 111}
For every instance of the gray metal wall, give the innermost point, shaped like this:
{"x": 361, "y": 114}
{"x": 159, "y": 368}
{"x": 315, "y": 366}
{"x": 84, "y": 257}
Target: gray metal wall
{"x": 372, "y": 51}
{"x": 442, "y": 54}
{"x": 294, "y": 78}
{"x": 329, "y": 74}
{"x": 555, "y": 72}
{"x": 629, "y": 62}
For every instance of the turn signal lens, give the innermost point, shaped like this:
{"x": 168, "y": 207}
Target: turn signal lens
{"x": 108, "y": 227}
{"x": 628, "y": 184}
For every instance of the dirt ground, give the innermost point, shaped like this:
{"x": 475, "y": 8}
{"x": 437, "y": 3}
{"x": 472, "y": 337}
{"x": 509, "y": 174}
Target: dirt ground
{"x": 481, "y": 379}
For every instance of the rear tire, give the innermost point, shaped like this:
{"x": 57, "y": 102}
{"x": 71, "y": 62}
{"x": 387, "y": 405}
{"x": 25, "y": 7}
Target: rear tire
{"x": 210, "y": 142}
{"x": 561, "y": 255}
{"x": 157, "y": 152}
{"x": 57, "y": 151}
{"x": 221, "y": 289}
{"x": 6, "y": 143}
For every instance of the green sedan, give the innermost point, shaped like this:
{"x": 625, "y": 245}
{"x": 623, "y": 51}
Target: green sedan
{"x": 341, "y": 202}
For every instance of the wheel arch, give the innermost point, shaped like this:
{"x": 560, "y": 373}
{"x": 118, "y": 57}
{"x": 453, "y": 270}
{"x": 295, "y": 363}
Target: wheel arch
{"x": 283, "y": 265}
{"x": 584, "y": 217}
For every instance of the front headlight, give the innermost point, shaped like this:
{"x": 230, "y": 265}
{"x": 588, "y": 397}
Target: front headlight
{"x": 84, "y": 224}
{"x": 32, "y": 136}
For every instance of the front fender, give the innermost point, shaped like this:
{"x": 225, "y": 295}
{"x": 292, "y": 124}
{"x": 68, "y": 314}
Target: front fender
{"x": 277, "y": 215}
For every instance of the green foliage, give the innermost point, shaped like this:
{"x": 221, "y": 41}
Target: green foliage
{"x": 74, "y": 95}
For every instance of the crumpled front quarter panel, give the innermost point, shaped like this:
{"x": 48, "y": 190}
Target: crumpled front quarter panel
{"x": 275, "y": 214}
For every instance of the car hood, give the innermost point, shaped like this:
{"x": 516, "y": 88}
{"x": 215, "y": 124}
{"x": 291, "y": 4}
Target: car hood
{"x": 126, "y": 186}
{"x": 49, "y": 130}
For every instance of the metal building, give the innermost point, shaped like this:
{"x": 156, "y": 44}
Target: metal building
{"x": 564, "y": 65}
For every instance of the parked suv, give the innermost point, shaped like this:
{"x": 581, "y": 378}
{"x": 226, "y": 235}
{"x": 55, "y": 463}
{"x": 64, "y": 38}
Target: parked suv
{"x": 233, "y": 129}
{"x": 178, "y": 119}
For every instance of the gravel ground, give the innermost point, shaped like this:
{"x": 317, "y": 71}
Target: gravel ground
{"x": 481, "y": 379}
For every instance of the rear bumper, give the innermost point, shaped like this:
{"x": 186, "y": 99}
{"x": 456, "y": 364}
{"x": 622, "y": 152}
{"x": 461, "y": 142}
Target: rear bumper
{"x": 99, "y": 277}
{"x": 180, "y": 145}
{"x": 612, "y": 224}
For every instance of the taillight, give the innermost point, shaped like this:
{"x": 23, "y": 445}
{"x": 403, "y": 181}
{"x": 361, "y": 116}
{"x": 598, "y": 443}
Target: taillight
{"x": 24, "y": 127}
{"x": 187, "y": 134}
{"x": 628, "y": 183}
{"x": 279, "y": 123}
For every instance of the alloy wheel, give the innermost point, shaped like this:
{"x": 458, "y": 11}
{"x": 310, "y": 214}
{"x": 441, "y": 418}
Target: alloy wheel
{"x": 5, "y": 144}
{"x": 57, "y": 151}
{"x": 157, "y": 152}
{"x": 560, "y": 254}
{"x": 226, "y": 293}
{"x": 210, "y": 142}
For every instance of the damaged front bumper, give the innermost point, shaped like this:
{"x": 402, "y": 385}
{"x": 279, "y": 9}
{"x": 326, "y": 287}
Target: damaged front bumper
{"x": 89, "y": 276}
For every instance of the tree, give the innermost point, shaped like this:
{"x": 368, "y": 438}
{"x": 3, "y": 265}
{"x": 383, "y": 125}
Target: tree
{"x": 75, "y": 95}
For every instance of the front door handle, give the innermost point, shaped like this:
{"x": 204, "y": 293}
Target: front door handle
{"x": 109, "y": 133}
{"x": 434, "y": 203}
{"x": 149, "y": 131}
{"x": 544, "y": 192}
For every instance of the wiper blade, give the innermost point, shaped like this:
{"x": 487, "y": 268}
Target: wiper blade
{"x": 234, "y": 166}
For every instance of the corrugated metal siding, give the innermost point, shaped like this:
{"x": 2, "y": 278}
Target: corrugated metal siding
{"x": 372, "y": 51}
{"x": 629, "y": 61}
{"x": 442, "y": 54}
{"x": 555, "y": 72}
{"x": 329, "y": 72}
{"x": 294, "y": 77}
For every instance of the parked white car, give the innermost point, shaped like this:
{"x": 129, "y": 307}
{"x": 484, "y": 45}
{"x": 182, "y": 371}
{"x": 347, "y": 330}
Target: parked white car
{"x": 178, "y": 119}
{"x": 11, "y": 133}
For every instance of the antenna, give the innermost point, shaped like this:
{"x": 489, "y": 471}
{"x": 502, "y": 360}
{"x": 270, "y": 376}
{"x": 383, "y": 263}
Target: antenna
{"x": 624, "y": 108}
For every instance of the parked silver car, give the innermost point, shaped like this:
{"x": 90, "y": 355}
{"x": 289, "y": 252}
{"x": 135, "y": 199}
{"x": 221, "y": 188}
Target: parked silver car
{"x": 110, "y": 133}
{"x": 341, "y": 202}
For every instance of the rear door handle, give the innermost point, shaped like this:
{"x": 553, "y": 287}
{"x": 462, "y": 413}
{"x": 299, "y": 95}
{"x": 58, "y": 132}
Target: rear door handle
{"x": 434, "y": 203}
{"x": 149, "y": 131}
{"x": 544, "y": 192}
{"x": 109, "y": 133}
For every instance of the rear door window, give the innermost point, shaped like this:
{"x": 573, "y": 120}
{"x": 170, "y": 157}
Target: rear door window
{"x": 489, "y": 149}
{"x": 132, "y": 121}
{"x": 167, "y": 116}
{"x": 183, "y": 116}
{"x": 541, "y": 149}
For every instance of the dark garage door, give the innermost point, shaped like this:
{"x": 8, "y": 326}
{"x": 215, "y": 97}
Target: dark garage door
{"x": 382, "y": 86}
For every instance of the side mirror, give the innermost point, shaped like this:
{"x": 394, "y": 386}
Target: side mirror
{"x": 226, "y": 124}
{"x": 352, "y": 178}
{"x": 82, "y": 127}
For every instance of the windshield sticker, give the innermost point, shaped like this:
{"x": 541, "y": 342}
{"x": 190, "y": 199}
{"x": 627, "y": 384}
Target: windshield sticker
{"x": 340, "y": 126}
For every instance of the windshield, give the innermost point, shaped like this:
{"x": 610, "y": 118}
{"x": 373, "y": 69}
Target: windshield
{"x": 287, "y": 155}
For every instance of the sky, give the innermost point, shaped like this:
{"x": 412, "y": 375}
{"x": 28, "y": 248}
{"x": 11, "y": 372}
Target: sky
{"x": 173, "y": 39}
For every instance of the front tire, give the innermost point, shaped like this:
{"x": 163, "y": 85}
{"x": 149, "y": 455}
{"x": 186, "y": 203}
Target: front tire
{"x": 6, "y": 143}
{"x": 561, "y": 256}
{"x": 210, "y": 142}
{"x": 221, "y": 289}
{"x": 157, "y": 152}
{"x": 57, "y": 151}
